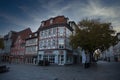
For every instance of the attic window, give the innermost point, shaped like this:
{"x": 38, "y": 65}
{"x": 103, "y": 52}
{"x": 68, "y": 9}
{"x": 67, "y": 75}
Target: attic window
{"x": 51, "y": 21}
{"x": 30, "y": 36}
{"x": 35, "y": 34}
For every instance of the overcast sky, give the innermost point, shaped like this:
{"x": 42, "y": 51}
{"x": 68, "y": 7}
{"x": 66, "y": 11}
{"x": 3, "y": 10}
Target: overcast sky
{"x": 17, "y": 15}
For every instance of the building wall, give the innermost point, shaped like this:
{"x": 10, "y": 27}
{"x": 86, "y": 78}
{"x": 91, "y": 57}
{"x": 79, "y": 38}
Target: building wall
{"x": 31, "y": 46}
{"x": 19, "y": 47}
{"x": 60, "y": 57}
{"x": 31, "y": 49}
{"x": 18, "y": 51}
{"x": 7, "y": 45}
{"x": 55, "y": 38}
{"x": 54, "y": 42}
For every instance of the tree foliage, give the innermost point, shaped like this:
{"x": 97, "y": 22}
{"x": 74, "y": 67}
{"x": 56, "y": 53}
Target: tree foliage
{"x": 93, "y": 34}
{"x": 1, "y": 43}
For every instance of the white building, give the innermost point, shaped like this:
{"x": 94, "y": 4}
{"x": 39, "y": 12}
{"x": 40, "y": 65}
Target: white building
{"x": 113, "y": 52}
{"x": 54, "y": 41}
{"x": 31, "y": 48}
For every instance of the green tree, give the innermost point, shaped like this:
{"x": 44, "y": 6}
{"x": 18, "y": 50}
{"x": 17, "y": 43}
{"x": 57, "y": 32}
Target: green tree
{"x": 1, "y": 43}
{"x": 93, "y": 34}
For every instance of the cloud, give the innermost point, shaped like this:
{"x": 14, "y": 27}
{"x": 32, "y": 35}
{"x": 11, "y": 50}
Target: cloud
{"x": 75, "y": 10}
{"x": 12, "y": 19}
{"x": 97, "y": 9}
{"x": 16, "y": 23}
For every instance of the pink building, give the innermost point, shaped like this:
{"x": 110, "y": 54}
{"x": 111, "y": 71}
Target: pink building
{"x": 18, "y": 49}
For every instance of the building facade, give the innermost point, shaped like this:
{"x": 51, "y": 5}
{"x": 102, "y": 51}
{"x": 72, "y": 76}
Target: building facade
{"x": 31, "y": 48}
{"x": 54, "y": 41}
{"x": 9, "y": 40}
{"x": 116, "y": 49}
{"x": 18, "y": 48}
{"x": 113, "y": 52}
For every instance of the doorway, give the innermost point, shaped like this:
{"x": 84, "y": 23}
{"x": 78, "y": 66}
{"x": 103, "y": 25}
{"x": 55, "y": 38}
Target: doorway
{"x": 60, "y": 59}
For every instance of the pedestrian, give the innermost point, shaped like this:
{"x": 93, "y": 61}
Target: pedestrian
{"x": 83, "y": 59}
{"x": 96, "y": 54}
{"x": 87, "y": 59}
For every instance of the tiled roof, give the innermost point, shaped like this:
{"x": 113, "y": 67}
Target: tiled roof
{"x": 55, "y": 20}
{"x": 24, "y": 33}
{"x": 32, "y": 35}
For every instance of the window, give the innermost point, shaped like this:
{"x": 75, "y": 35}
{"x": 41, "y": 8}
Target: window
{"x": 41, "y": 44}
{"x": 30, "y": 36}
{"x": 22, "y": 44}
{"x": 61, "y": 31}
{"x": 53, "y": 42}
{"x": 49, "y": 32}
{"x": 35, "y": 34}
{"x": 61, "y": 43}
{"x": 40, "y": 56}
{"x": 50, "y": 58}
{"x": 49, "y": 43}
{"x": 44, "y": 45}
{"x": 61, "y": 46}
{"x": 45, "y": 57}
{"x": 54, "y": 30}
{"x": 51, "y": 21}
{"x": 45, "y": 34}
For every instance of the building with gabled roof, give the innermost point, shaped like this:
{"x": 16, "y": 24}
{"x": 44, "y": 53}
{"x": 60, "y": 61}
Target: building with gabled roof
{"x": 18, "y": 48}
{"x": 31, "y": 48}
{"x": 54, "y": 41}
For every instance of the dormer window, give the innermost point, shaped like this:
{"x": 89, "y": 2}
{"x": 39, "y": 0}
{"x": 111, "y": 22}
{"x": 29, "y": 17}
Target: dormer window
{"x": 42, "y": 23}
{"x": 51, "y": 21}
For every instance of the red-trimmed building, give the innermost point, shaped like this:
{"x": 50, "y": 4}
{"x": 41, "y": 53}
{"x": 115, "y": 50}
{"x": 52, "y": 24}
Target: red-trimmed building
{"x": 18, "y": 48}
{"x": 31, "y": 48}
{"x": 54, "y": 40}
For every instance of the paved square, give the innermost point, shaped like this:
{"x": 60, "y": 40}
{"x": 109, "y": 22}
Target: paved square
{"x": 101, "y": 71}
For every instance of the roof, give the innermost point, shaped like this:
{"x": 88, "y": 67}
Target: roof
{"x": 32, "y": 35}
{"x": 24, "y": 33}
{"x": 55, "y": 20}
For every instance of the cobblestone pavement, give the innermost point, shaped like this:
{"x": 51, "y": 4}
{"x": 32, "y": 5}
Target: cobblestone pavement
{"x": 101, "y": 71}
